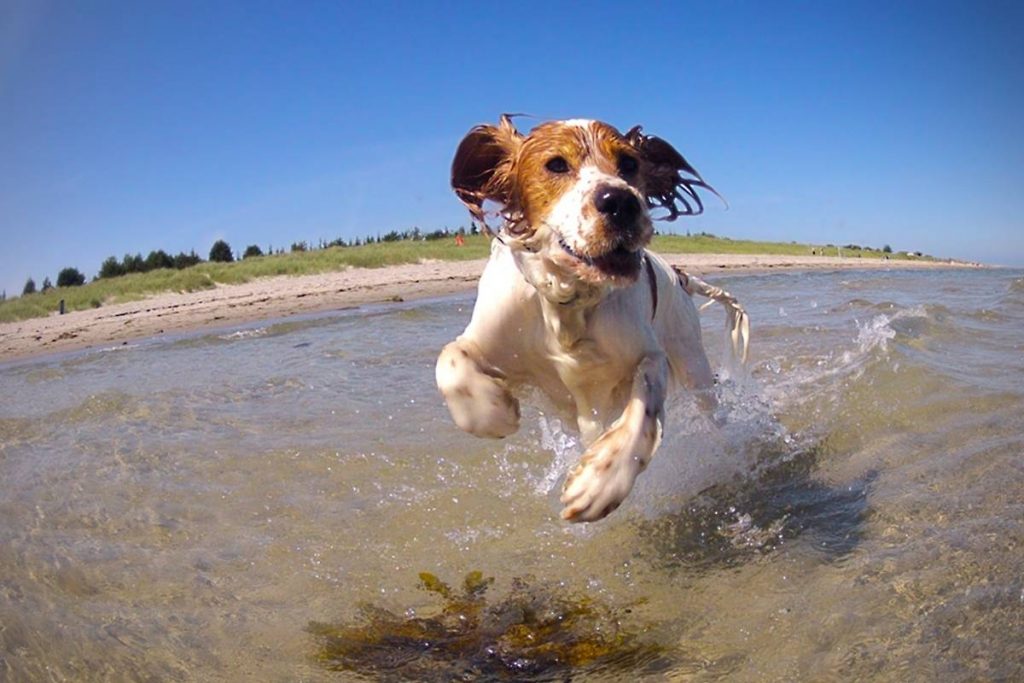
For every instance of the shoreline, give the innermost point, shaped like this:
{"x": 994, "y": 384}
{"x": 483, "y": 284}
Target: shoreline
{"x": 280, "y": 297}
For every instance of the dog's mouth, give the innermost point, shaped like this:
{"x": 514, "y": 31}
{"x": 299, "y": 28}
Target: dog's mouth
{"x": 622, "y": 261}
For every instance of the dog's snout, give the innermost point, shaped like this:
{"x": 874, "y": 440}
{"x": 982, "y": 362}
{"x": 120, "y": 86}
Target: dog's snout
{"x": 619, "y": 204}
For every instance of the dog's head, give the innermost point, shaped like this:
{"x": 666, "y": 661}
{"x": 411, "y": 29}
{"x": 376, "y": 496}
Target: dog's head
{"x": 577, "y": 193}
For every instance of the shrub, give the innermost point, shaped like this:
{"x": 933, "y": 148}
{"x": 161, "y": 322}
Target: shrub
{"x": 69, "y": 277}
{"x": 221, "y": 252}
{"x": 30, "y": 287}
{"x": 252, "y": 250}
{"x": 887, "y": 249}
{"x": 47, "y": 285}
{"x": 299, "y": 246}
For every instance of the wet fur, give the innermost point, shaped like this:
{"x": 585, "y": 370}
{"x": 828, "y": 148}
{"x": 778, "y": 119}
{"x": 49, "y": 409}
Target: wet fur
{"x": 572, "y": 302}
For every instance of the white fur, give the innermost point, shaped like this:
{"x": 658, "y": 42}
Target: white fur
{"x": 604, "y": 365}
{"x": 603, "y": 354}
{"x": 578, "y": 123}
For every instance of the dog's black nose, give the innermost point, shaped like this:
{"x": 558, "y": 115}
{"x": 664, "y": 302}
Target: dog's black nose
{"x": 619, "y": 204}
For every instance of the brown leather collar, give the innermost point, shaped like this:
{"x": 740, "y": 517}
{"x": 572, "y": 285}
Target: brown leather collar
{"x": 652, "y": 280}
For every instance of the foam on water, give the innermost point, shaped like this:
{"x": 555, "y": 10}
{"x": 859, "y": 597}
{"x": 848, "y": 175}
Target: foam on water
{"x": 251, "y": 333}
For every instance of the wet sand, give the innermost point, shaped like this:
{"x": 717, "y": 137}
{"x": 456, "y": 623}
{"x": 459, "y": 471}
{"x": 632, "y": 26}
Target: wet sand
{"x": 278, "y": 297}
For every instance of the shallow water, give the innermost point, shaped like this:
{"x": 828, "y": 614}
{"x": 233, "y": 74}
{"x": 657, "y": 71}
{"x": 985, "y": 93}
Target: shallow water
{"x": 187, "y": 509}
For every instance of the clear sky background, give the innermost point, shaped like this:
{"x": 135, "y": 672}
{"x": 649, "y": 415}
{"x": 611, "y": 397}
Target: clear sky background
{"x": 132, "y": 126}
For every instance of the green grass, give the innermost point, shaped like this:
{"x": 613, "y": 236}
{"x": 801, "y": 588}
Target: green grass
{"x": 709, "y": 244}
{"x": 208, "y": 275}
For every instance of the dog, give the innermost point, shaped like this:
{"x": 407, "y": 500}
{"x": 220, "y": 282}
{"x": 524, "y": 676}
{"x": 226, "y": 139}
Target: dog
{"x": 572, "y": 302}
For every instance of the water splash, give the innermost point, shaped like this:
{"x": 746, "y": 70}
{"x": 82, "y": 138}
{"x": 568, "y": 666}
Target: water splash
{"x": 697, "y": 450}
{"x": 871, "y": 335}
{"x": 566, "y": 448}
{"x": 820, "y": 379}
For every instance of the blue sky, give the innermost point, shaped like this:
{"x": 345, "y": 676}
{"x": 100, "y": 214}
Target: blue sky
{"x": 132, "y": 126}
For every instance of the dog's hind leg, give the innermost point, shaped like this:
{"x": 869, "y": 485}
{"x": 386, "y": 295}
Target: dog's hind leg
{"x": 475, "y": 391}
{"x": 683, "y": 344}
{"x": 678, "y": 329}
{"x": 737, "y": 322}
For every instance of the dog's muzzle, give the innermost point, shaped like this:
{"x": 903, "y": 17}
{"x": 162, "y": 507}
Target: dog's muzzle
{"x": 621, "y": 231}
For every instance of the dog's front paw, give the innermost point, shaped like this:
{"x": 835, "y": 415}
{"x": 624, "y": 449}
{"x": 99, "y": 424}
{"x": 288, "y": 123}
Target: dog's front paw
{"x": 480, "y": 403}
{"x": 601, "y": 480}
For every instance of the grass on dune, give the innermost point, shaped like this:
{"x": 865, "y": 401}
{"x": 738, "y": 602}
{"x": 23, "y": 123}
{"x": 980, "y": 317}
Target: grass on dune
{"x": 208, "y": 275}
{"x": 710, "y": 244}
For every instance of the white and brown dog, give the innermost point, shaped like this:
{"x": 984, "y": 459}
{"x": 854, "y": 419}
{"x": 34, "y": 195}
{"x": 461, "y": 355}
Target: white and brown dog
{"x": 572, "y": 302}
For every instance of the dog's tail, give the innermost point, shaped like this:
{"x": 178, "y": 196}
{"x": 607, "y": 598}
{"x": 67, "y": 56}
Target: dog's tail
{"x": 737, "y": 322}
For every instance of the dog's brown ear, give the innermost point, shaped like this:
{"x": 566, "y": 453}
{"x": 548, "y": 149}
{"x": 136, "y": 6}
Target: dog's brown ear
{"x": 482, "y": 167}
{"x": 670, "y": 181}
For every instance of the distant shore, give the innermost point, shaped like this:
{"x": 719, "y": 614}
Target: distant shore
{"x": 278, "y": 297}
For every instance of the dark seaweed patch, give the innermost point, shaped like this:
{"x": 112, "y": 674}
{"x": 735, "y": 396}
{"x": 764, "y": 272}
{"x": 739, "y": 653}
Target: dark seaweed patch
{"x": 535, "y": 633}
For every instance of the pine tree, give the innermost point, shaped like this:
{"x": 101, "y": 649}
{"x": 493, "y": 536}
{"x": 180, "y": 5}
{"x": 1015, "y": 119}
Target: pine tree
{"x": 221, "y": 252}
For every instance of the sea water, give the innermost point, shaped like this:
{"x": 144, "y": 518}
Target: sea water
{"x": 185, "y": 508}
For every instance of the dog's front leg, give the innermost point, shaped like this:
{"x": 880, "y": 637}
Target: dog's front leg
{"x": 605, "y": 474}
{"x": 475, "y": 391}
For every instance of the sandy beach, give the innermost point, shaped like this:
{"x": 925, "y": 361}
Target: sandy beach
{"x": 278, "y": 297}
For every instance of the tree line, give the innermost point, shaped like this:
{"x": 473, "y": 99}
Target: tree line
{"x": 221, "y": 252}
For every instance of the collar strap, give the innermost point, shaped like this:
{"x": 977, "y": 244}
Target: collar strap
{"x": 652, "y": 280}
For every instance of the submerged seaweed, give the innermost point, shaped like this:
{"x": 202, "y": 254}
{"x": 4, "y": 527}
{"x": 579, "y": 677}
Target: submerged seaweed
{"x": 533, "y": 633}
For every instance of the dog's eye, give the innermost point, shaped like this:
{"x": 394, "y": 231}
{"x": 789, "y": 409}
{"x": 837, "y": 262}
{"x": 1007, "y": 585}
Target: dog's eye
{"x": 557, "y": 165}
{"x": 627, "y": 165}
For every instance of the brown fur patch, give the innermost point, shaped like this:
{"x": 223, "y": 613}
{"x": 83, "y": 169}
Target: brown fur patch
{"x": 598, "y": 144}
{"x": 481, "y": 169}
{"x": 538, "y": 188}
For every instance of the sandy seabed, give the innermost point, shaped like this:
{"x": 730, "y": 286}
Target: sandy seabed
{"x": 279, "y": 297}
